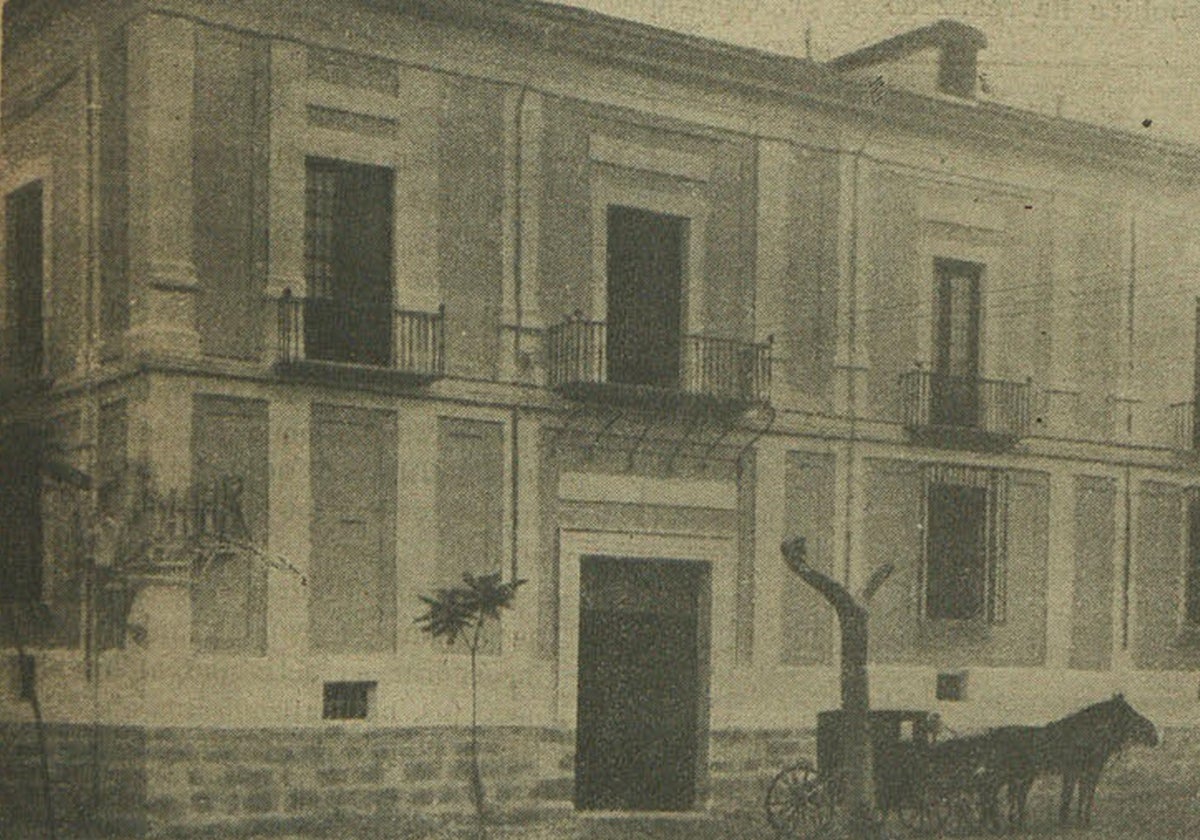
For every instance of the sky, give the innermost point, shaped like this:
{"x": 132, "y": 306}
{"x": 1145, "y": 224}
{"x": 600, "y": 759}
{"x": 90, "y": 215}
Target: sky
{"x": 1110, "y": 62}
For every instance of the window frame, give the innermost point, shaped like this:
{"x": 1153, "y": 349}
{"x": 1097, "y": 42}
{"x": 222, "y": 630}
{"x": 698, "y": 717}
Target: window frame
{"x": 995, "y": 482}
{"x": 1189, "y": 607}
{"x": 337, "y": 293}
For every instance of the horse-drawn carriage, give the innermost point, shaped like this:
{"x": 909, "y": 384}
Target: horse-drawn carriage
{"x": 929, "y": 786}
{"x": 952, "y": 785}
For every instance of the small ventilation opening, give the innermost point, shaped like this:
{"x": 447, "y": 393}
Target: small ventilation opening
{"x": 347, "y": 700}
{"x": 952, "y": 687}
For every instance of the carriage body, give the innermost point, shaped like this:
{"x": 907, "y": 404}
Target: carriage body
{"x": 900, "y": 743}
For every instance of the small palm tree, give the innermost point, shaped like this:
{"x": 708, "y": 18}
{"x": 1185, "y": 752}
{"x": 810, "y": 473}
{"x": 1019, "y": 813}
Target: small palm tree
{"x": 461, "y": 611}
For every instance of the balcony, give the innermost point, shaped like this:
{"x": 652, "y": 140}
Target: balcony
{"x": 1181, "y": 427}
{"x": 712, "y": 373}
{"x": 968, "y": 411}
{"x": 349, "y": 343}
{"x": 21, "y": 357}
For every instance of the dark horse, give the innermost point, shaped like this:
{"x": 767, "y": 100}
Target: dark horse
{"x": 1076, "y": 747}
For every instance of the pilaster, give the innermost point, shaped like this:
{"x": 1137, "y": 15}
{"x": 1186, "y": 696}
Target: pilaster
{"x": 1122, "y": 604}
{"x": 775, "y": 184}
{"x": 1060, "y": 573}
{"x": 416, "y": 516}
{"x": 523, "y": 624}
{"x": 160, "y": 427}
{"x": 522, "y": 317}
{"x": 769, "y": 466}
{"x": 851, "y": 362}
{"x": 162, "y": 271}
{"x": 288, "y": 523}
{"x": 285, "y": 199}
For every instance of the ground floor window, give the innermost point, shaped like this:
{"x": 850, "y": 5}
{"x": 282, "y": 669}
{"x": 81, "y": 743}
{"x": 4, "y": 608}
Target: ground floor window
{"x": 1191, "y": 568}
{"x": 963, "y": 572}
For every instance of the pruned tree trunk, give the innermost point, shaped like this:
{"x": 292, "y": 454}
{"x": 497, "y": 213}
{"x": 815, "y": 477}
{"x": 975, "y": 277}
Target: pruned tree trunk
{"x": 478, "y": 795}
{"x": 852, "y": 617}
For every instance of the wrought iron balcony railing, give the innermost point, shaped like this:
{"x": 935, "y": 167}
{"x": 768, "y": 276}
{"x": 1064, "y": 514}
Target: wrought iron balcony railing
{"x": 942, "y": 403}
{"x": 718, "y": 369}
{"x": 329, "y": 331}
{"x": 21, "y": 354}
{"x": 1181, "y": 426}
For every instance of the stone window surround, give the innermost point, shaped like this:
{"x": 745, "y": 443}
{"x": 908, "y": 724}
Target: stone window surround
{"x": 414, "y": 240}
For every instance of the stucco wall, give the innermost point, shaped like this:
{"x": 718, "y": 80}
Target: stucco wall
{"x": 1095, "y": 540}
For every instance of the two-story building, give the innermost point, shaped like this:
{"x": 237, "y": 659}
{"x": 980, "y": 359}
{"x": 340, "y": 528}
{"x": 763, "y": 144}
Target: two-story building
{"x": 477, "y": 285}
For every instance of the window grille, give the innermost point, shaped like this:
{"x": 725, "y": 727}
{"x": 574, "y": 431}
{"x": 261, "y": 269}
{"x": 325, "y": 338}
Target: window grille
{"x": 951, "y": 687}
{"x": 347, "y": 700}
{"x": 944, "y": 485}
{"x": 321, "y": 192}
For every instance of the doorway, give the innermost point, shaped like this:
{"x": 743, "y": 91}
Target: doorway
{"x": 643, "y": 684}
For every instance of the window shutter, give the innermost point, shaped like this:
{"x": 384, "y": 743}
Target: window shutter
{"x": 997, "y": 590}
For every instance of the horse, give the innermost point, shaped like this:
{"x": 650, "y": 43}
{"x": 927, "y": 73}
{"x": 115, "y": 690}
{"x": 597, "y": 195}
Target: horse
{"x": 1076, "y": 747}
{"x": 1016, "y": 756}
{"x": 1081, "y": 744}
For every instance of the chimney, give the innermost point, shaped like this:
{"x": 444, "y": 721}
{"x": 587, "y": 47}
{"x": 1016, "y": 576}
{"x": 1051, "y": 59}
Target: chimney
{"x": 939, "y": 58}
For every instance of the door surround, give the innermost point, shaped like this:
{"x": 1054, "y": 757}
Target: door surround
{"x": 720, "y": 552}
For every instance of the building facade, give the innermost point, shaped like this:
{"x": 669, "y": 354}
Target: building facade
{"x": 471, "y": 286}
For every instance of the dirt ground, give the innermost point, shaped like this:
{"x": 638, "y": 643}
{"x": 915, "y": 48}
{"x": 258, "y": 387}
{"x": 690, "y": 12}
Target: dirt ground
{"x": 1131, "y": 806}
{"x": 1169, "y": 810}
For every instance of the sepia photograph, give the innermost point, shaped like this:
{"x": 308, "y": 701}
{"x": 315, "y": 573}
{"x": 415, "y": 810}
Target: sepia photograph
{"x": 600, "y": 419}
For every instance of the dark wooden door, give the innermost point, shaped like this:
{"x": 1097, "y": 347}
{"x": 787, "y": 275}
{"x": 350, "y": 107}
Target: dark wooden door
{"x": 955, "y": 386}
{"x": 638, "y": 731}
{"x": 645, "y": 297}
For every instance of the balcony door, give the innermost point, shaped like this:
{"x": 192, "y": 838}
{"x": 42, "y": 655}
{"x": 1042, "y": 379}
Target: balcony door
{"x": 955, "y": 383}
{"x": 348, "y": 259}
{"x": 645, "y": 297}
{"x": 23, "y": 259}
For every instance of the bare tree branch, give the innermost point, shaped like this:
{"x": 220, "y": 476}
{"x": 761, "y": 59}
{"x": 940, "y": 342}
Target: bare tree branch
{"x": 876, "y": 580}
{"x": 831, "y": 590}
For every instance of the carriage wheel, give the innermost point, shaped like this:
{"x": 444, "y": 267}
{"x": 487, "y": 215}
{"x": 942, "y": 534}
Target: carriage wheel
{"x": 797, "y": 804}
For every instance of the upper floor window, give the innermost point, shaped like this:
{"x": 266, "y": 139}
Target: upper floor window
{"x": 965, "y": 515}
{"x": 348, "y": 262}
{"x": 955, "y": 383}
{"x": 23, "y": 268}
